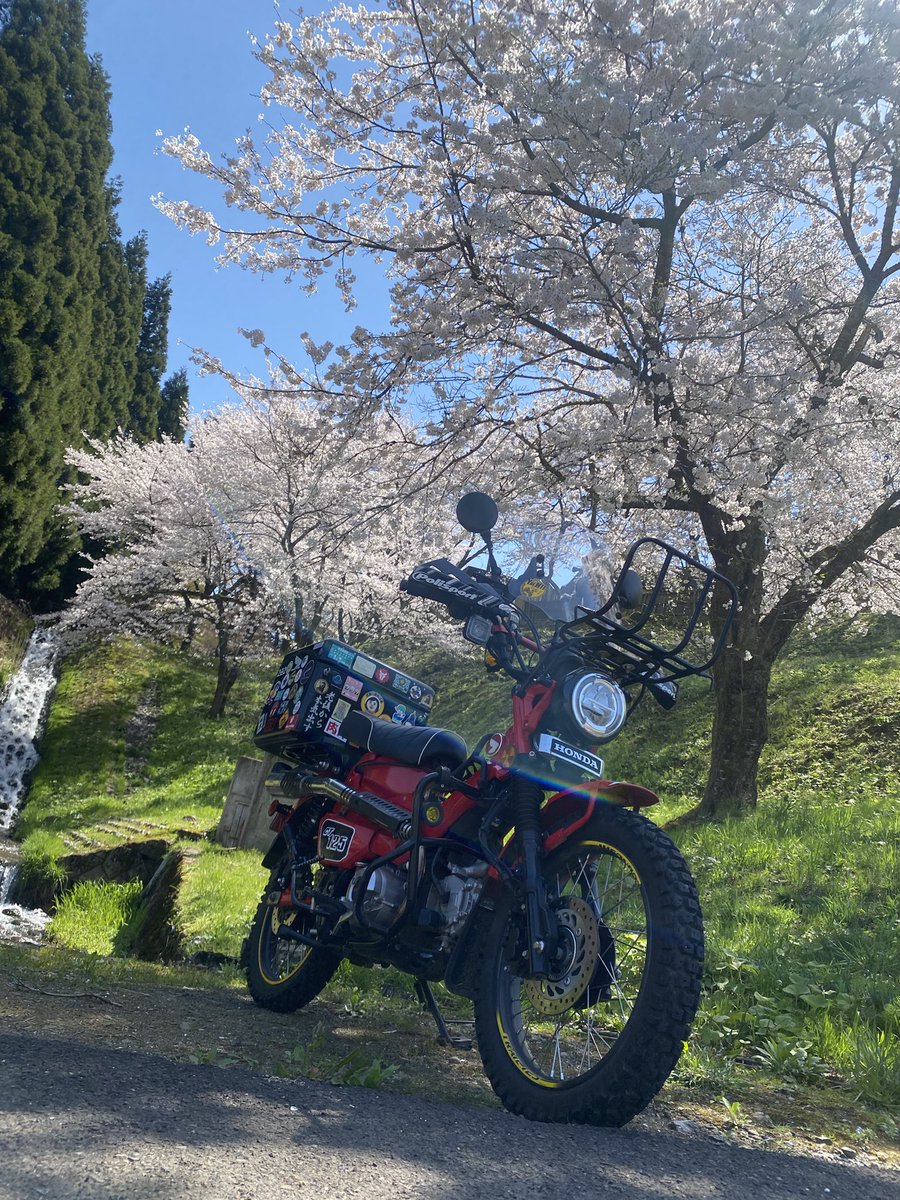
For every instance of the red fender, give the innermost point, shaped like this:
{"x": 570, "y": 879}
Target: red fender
{"x": 564, "y": 813}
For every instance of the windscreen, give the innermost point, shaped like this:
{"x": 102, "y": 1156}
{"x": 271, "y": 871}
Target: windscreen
{"x": 553, "y": 589}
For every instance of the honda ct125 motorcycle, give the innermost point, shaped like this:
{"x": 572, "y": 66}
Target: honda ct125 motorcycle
{"x": 517, "y": 874}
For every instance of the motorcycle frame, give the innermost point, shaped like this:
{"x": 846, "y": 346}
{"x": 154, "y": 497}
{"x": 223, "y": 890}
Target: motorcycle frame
{"x": 562, "y": 815}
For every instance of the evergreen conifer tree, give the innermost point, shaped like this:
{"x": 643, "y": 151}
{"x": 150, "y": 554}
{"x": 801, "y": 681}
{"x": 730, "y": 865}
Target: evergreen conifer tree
{"x": 143, "y": 419}
{"x": 54, "y": 155}
{"x": 174, "y": 406}
{"x": 82, "y": 335}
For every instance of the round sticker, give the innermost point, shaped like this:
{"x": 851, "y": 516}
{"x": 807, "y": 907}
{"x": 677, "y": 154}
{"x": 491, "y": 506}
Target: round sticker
{"x": 321, "y": 686}
{"x": 373, "y": 704}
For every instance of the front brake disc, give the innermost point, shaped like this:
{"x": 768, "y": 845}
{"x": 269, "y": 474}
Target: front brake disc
{"x": 579, "y": 952}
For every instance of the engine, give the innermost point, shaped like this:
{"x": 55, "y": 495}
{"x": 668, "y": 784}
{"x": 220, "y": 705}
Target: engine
{"x": 455, "y": 895}
{"x": 450, "y": 898}
{"x": 384, "y": 895}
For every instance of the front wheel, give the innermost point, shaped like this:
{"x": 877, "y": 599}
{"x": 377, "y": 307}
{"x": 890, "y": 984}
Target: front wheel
{"x": 595, "y": 1041}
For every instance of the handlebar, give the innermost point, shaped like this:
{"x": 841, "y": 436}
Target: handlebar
{"x": 603, "y": 638}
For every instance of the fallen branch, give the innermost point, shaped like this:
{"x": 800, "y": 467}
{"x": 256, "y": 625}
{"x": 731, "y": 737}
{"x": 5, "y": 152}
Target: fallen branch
{"x": 66, "y": 995}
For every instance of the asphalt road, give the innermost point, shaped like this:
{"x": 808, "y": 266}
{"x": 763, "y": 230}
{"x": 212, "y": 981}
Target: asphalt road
{"x": 92, "y": 1123}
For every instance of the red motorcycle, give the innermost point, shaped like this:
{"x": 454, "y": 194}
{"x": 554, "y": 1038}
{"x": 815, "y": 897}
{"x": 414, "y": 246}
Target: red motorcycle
{"x": 517, "y": 874}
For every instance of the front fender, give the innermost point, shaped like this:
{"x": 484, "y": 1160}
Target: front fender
{"x": 564, "y": 813}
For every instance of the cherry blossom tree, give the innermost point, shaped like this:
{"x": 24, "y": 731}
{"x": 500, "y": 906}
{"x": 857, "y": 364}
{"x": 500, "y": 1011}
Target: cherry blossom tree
{"x": 273, "y": 525}
{"x": 172, "y": 567}
{"x": 316, "y": 504}
{"x": 650, "y": 250}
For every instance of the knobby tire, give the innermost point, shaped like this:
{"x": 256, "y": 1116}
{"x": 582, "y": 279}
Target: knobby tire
{"x": 529, "y": 1049}
{"x": 283, "y": 975}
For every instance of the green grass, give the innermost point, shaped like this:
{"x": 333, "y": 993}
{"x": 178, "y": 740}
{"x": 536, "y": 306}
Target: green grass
{"x": 469, "y": 701}
{"x": 802, "y": 906}
{"x": 90, "y": 915}
{"x": 218, "y": 898}
{"x": 82, "y": 783}
{"x": 800, "y": 897}
{"x": 177, "y": 783}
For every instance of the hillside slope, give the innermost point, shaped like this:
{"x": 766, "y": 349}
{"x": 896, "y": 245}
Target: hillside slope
{"x": 802, "y": 897}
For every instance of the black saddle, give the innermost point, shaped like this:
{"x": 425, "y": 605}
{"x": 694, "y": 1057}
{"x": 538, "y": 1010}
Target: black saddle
{"x": 419, "y": 746}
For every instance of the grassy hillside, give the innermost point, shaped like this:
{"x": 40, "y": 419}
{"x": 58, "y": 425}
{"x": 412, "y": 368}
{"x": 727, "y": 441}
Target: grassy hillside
{"x": 802, "y": 898}
{"x": 129, "y": 752}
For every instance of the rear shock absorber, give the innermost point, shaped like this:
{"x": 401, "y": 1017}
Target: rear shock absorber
{"x": 540, "y": 922}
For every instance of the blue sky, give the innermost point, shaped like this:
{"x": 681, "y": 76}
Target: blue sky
{"x": 177, "y": 63}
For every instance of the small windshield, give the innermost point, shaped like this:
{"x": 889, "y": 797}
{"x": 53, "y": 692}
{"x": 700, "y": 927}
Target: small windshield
{"x": 558, "y": 591}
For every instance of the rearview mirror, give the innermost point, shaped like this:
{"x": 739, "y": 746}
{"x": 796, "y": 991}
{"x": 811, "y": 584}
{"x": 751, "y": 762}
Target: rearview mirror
{"x": 477, "y": 512}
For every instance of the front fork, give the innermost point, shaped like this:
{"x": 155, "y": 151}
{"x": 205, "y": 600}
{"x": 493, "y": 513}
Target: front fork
{"x": 541, "y": 930}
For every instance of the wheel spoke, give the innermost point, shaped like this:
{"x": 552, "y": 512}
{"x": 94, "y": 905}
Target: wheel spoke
{"x": 599, "y": 978}
{"x": 557, "y": 1055}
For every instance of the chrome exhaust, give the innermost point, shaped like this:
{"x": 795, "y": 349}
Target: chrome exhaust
{"x": 298, "y": 785}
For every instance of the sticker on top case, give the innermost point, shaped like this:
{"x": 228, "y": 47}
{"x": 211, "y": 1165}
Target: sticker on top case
{"x": 352, "y": 688}
{"x": 340, "y": 710}
{"x": 342, "y": 655}
{"x": 372, "y": 703}
{"x": 363, "y": 666}
{"x": 333, "y": 729}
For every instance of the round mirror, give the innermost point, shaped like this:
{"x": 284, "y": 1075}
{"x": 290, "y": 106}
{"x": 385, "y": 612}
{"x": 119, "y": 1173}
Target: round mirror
{"x": 477, "y": 512}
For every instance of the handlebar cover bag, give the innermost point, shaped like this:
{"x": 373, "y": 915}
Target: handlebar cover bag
{"x": 441, "y": 580}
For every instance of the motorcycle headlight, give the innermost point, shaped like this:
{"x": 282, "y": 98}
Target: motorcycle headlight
{"x": 597, "y": 705}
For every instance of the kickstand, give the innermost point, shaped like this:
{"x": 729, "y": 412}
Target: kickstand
{"x": 445, "y": 1037}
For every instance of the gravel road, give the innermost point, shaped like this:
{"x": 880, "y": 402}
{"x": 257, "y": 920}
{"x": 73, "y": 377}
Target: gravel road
{"x": 88, "y": 1122}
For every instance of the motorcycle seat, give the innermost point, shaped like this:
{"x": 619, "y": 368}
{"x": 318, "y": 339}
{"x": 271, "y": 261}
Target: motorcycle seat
{"x": 418, "y": 746}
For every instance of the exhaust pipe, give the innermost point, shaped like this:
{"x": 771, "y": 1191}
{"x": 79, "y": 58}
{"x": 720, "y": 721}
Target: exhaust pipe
{"x": 298, "y": 785}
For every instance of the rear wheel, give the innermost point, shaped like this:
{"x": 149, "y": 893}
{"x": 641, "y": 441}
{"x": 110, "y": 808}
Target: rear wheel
{"x": 284, "y": 974}
{"x": 595, "y": 1041}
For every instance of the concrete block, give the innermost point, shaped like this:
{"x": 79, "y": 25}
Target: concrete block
{"x": 245, "y": 819}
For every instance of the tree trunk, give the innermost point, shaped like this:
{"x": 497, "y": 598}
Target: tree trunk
{"x": 190, "y": 633}
{"x": 226, "y": 678}
{"x": 740, "y": 729}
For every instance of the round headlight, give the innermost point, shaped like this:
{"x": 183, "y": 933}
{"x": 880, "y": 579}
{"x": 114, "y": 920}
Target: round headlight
{"x": 598, "y": 705}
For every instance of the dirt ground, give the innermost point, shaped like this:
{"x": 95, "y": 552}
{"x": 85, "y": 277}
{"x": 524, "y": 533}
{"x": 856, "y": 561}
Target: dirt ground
{"x": 389, "y": 1041}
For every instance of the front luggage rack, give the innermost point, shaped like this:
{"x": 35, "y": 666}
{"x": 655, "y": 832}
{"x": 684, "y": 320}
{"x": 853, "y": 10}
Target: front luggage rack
{"x": 663, "y": 634}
